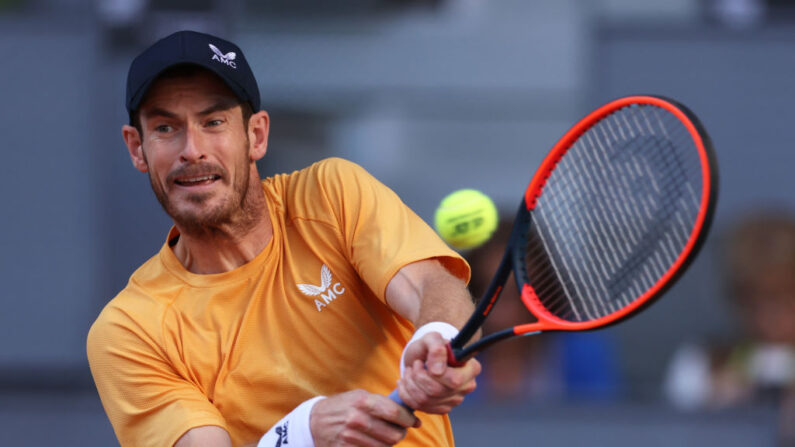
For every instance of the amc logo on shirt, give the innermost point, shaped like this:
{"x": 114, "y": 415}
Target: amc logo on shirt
{"x": 326, "y": 291}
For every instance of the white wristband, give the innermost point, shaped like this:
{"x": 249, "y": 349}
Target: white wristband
{"x": 446, "y": 330}
{"x": 293, "y": 429}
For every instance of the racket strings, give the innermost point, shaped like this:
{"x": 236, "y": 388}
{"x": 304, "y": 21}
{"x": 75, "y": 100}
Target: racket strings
{"x": 615, "y": 214}
{"x": 542, "y": 271}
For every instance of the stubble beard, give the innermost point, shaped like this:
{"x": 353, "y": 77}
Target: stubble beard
{"x": 237, "y": 212}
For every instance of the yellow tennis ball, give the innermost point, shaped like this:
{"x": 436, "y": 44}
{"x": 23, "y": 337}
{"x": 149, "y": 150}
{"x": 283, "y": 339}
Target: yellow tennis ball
{"x": 466, "y": 218}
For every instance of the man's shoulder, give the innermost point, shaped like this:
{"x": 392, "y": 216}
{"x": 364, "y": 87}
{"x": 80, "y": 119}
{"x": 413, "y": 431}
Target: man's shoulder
{"x": 335, "y": 165}
{"x": 142, "y": 299}
{"x": 129, "y": 323}
{"x": 313, "y": 191}
{"x": 334, "y": 178}
{"x": 321, "y": 171}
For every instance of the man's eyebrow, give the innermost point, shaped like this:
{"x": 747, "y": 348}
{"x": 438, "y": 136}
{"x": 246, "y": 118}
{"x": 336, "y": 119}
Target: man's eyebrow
{"x": 224, "y": 104}
{"x": 157, "y": 111}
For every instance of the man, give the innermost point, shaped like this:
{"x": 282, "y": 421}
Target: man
{"x": 268, "y": 295}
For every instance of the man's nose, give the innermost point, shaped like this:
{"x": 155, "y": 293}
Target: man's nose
{"x": 193, "y": 150}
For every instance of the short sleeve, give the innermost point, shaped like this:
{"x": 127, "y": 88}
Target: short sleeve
{"x": 381, "y": 233}
{"x": 147, "y": 402}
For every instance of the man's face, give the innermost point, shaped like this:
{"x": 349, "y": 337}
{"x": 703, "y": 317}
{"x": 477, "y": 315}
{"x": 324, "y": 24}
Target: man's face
{"x": 196, "y": 149}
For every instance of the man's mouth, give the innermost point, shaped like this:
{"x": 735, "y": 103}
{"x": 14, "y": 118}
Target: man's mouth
{"x": 197, "y": 180}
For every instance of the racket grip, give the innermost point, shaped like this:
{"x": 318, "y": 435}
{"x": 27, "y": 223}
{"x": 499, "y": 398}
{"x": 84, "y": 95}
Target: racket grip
{"x": 451, "y": 358}
{"x": 395, "y": 396}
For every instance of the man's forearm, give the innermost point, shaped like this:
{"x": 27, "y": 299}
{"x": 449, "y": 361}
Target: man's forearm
{"x": 425, "y": 291}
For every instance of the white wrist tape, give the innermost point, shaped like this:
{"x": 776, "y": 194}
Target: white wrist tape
{"x": 446, "y": 330}
{"x": 293, "y": 429}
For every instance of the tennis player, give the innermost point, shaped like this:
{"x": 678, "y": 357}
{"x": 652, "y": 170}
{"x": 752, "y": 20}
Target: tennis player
{"x": 277, "y": 310}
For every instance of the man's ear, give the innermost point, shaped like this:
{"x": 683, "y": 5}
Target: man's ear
{"x": 133, "y": 141}
{"x": 258, "y": 127}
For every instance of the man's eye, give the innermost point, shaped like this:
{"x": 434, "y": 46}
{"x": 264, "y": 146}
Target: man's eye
{"x": 213, "y": 123}
{"x": 163, "y": 128}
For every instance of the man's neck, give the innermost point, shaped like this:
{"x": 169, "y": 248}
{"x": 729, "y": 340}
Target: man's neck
{"x": 228, "y": 247}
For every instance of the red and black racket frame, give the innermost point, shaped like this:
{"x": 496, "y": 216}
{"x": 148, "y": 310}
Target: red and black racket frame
{"x": 513, "y": 260}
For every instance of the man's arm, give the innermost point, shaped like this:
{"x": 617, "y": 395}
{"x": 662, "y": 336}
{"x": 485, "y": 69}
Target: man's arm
{"x": 424, "y": 292}
{"x": 355, "y": 418}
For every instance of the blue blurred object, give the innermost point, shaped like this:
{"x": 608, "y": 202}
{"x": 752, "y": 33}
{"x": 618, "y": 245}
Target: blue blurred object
{"x": 589, "y": 366}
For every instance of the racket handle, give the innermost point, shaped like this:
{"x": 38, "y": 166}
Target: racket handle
{"x": 452, "y": 360}
{"x": 395, "y": 396}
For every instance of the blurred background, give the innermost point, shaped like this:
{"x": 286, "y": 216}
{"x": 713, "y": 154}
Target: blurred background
{"x": 429, "y": 96}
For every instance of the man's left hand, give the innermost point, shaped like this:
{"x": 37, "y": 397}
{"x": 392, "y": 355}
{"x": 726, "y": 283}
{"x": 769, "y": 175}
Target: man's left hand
{"x": 429, "y": 384}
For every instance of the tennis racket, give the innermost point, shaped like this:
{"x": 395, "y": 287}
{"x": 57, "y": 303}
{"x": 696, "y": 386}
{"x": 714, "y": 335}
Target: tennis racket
{"x": 612, "y": 218}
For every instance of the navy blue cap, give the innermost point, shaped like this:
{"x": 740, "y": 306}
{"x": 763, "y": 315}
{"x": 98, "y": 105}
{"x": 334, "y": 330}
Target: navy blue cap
{"x": 220, "y": 56}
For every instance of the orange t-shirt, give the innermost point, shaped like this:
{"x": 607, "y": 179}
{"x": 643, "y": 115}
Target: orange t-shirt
{"x": 307, "y": 316}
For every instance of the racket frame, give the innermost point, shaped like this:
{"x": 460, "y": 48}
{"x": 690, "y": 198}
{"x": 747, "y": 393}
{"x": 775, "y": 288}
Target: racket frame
{"x": 459, "y": 351}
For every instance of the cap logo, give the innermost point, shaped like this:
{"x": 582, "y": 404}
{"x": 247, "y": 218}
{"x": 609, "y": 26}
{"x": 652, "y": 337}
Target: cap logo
{"x": 227, "y": 59}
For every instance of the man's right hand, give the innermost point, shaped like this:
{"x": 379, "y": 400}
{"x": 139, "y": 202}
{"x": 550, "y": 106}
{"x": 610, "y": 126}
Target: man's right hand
{"x": 359, "y": 418}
